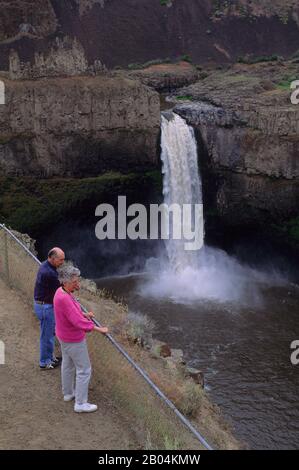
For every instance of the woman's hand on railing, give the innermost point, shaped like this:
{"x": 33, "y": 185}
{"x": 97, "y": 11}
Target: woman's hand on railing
{"x": 89, "y": 315}
{"x": 101, "y": 329}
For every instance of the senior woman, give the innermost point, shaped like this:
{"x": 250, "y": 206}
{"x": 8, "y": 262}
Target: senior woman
{"x": 71, "y": 326}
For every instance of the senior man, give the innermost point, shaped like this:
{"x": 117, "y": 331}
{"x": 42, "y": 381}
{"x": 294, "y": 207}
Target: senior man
{"x": 71, "y": 326}
{"x": 45, "y": 287}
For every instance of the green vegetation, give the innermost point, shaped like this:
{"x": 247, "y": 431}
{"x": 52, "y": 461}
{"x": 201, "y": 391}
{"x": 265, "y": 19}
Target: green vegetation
{"x": 139, "y": 328}
{"x": 293, "y": 229}
{"x": 255, "y": 60}
{"x": 156, "y": 180}
{"x": 184, "y": 98}
{"x": 170, "y": 444}
{"x": 186, "y": 395}
{"x": 239, "y": 78}
{"x": 286, "y": 81}
{"x": 166, "y": 3}
{"x": 186, "y": 58}
{"x": 284, "y": 17}
{"x": 252, "y": 9}
{"x": 191, "y": 399}
{"x": 289, "y": 230}
{"x": 221, "y": 7}
{"x": 31, "y": 205}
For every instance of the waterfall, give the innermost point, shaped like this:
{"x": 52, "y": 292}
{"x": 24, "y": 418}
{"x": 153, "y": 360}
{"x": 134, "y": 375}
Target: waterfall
{"x": 202, "y": 274}
{"x": 181, "y": 181}
{"x": 207, "y": 273}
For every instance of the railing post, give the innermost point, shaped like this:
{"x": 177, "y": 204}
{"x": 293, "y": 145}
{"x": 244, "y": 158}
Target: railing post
{"x": 6, "y": 263}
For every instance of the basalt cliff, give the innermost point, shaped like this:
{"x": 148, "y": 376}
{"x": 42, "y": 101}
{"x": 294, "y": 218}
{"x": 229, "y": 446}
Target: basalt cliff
{"x": 248, "y": 134}
{"x": 122, "y": 32}
{"x": 78, "y": 126}
{"x": 82, "y": 81}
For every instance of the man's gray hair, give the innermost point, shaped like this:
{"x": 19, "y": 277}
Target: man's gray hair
{"x": 66, "y": 272}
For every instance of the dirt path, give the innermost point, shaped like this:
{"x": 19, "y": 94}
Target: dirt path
{"x": 33, "y": 414}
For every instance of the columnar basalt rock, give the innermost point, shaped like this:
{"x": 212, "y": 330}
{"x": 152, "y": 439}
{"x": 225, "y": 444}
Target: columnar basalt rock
{"x": 80, "y": 126}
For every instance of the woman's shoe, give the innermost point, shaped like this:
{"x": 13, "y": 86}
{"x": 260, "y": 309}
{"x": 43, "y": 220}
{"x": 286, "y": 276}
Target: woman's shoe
{"x": 68, "y": 397}
{"x": 85, "y": 408}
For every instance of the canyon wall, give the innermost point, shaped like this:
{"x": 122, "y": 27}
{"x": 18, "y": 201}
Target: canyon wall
{"x": 121, "y": 32}
{"x": 78, "y": 126}
{"x": 248, "y": 133}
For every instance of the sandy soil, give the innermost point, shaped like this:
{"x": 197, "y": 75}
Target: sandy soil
{"x": 33, "y": 414}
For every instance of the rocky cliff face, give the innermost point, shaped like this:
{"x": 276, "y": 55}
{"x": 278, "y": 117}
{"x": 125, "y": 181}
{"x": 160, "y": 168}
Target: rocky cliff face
{"x": 79, "y": 126}
{"x": 120, "y": 32}
{"x": 65, "y": 57}
{"x": 249, "y": 146}
{"x": 84, "y": 121}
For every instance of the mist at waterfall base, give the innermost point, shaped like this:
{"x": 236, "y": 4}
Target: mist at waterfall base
{"x": 219, "y": 277}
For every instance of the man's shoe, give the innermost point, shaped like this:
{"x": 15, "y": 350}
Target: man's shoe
{"x": 48, "y": 366}
{"x": 85, "y": 408}
{"x": 68, "y": 397}
{"x": 57, "y": 360}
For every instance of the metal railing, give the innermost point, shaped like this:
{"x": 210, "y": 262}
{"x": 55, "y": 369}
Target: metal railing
{"x": 156, "y": 419}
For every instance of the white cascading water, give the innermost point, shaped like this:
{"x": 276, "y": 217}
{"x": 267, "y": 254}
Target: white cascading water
{"x": 208, "y": 273}
{"x": 181, "y": 181}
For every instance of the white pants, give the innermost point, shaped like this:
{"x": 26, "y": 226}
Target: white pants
{"x": 75, "y": 370}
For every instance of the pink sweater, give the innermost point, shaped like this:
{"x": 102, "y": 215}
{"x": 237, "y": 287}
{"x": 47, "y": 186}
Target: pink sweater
{"x": 71, "y": 324}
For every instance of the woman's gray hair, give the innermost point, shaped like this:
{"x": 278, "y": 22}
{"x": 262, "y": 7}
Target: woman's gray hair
{"x": 66, "y": 272}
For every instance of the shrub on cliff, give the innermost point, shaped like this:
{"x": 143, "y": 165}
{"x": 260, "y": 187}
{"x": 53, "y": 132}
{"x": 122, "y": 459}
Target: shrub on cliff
{"x": 255, "y": 60}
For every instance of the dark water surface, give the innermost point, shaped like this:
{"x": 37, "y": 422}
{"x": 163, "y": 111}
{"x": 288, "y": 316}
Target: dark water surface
{"x": 244, "y": 352}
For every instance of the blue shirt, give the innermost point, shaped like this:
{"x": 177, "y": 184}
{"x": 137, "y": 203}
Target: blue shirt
{"x": 46, "y": 283}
